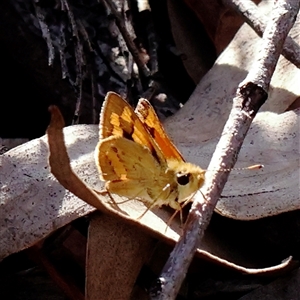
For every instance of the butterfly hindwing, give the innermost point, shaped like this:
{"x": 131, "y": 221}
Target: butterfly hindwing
{"x": 131, "y": 170}
{"x": 123, "y": 159}
{"x": 137, "y": 159}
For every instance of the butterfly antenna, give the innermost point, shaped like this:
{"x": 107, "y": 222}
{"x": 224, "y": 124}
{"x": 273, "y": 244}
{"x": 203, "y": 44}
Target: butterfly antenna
{"x": 253, "y": 167}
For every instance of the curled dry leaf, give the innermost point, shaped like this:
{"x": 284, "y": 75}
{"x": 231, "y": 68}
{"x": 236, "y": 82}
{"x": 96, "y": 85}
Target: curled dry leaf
{"x": 60, "y": 163}
{"x": 286, "y": 287}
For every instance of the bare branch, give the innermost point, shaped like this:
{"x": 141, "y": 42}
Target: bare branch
{"x": 250, "y": 95}
{"x": 254, "y": 18}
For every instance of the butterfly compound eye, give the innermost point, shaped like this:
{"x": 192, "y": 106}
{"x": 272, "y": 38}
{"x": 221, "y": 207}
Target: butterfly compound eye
{"x": 183, "y": 179}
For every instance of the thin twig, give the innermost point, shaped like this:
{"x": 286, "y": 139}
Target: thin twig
{"x": 250, "y": 95}
{"x": 45, "y": 32}
{"x": 151, "y": 36}
{"x": 62, "y": 51}
{"x": 258, "y": 21}
{"x": 128, "y": 38}
{"x": 79, "y": 56}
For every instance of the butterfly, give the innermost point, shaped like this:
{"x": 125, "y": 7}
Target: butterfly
{"x": 137, "y": 159}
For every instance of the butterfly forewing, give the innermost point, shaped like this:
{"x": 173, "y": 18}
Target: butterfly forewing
{"x": 119, "y": 119}
{"x": 149, "y": 118}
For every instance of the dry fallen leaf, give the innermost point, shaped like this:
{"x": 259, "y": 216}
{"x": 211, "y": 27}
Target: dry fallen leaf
{"x": 154, "y": 222}
{"x": 117, "y": 249}
{"x": 34, "y": 204}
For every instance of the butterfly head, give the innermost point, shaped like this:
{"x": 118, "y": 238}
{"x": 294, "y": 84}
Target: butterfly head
{"x": 188, "y": 177}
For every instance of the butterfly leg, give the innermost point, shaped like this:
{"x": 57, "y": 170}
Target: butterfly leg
{"x": 129, "y": 189}
{"x": 126, "y": 189}
{"x": 173, "y": 216}
{"x": 180, "y": 210}
{"x": 106, "y": 192}
{"x": 147, "y": 209}
{"x": 189, "y": 200}
{"x": 154, "y": 202}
